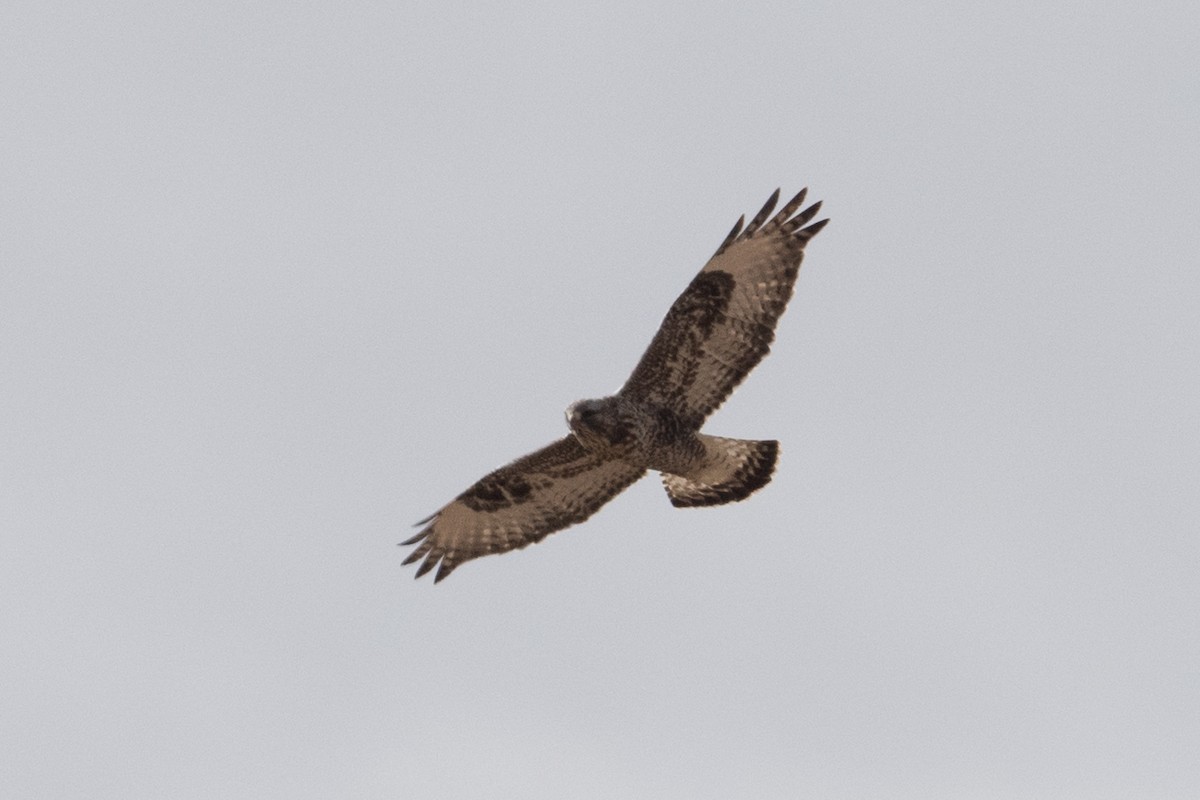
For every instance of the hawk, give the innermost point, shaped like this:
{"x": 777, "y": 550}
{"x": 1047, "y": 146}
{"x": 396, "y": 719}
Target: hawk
{"x": 715, "y": 333}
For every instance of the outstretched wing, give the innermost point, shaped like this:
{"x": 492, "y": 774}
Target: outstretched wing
{"x": 724, "y": 322}
{"x": 520, "y": 504}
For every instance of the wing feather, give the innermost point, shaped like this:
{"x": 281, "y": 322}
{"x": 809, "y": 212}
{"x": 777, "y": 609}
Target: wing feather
{"x": 762, "y": 215}
{"x": 519, "y": 504}
{"x": 724, "y": 322}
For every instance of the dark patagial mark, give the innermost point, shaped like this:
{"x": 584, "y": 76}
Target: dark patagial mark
{"x": 496, "y": 492}
{"x": 704, "y": 301}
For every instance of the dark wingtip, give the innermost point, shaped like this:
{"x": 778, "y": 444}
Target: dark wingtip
{"x": 415, "y": 539}
{"x": 786, "y": 212}
{"x": 762, "y": 215}
{"x": 813, "y": 230}
{"x": 733, "y": 234}
{"x": 426, "y": 565}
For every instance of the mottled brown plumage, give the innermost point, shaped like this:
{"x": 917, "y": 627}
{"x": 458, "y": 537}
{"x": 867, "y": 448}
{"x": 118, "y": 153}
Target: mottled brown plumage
{"x": 714, "y": 334}
{"x": 520, "y": 504}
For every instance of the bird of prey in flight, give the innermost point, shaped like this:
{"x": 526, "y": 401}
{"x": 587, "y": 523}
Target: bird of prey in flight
{"x": 715, "y": 333}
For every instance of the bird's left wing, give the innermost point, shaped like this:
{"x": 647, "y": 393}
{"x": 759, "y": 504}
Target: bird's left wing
{"x": 520, "y": 504}
{"x": 724, "y": 322}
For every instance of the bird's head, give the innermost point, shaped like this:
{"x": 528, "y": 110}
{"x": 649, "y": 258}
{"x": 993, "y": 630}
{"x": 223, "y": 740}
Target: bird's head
{"x": 601, "y": 424}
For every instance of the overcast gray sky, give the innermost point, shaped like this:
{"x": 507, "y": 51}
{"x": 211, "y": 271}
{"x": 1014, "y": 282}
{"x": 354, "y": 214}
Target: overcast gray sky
{"x": 278, "y": 281}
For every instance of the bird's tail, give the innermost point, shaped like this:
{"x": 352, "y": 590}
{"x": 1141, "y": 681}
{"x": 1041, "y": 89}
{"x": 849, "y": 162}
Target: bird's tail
{"x": 732, "y": 470}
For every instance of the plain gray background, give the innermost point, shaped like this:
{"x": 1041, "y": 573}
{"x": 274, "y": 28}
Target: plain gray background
{"x": 277, "y": 280}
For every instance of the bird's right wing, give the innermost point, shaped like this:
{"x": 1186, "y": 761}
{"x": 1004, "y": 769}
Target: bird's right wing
{"x": 520, "y": 504}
